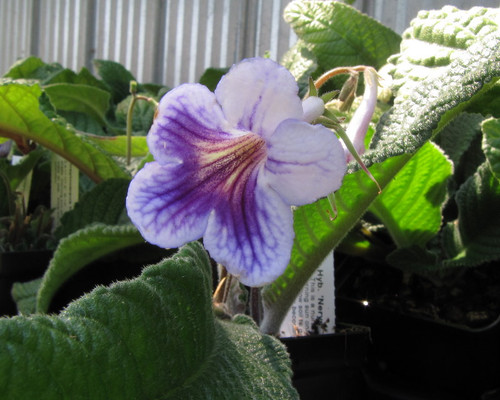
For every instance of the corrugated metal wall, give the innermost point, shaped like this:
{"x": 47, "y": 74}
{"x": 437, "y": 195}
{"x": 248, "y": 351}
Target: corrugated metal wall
{"x": 167, "y": 41}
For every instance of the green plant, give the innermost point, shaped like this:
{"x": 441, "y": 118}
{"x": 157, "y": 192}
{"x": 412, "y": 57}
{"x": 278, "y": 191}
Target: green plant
{"x": 433, "y": 151}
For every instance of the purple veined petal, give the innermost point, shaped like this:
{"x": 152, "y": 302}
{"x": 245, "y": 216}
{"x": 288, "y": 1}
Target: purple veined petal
{"x": 170, "y": 203}
{"x": 188, "y": 117}
{"x": 167, "y": 205}
{"x": 257, "y": 94}
{"x": 252, "y": 234}
{"x": 305, "y": 162}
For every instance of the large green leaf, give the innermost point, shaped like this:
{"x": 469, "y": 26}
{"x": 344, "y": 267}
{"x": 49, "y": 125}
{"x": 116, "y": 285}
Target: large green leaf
{"x": 410, "y": 206}
{"x": 466, "y": 127}
{"x": 154, "y": 337}
{"x": 339, "y": 35}
{"x": 21, "y": 119}
{"x": 117, "y": 145}
{"x": 415, "y": 118}
{"x": 491, "y": 144}
{"x": 474, "y": 237}
{"x": 79, "y": 249}
{"x": 440, "y": 95}
{"x": 436, "y": 39}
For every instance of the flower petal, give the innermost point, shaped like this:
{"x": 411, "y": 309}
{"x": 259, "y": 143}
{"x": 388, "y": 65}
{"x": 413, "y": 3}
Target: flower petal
{"x": 358, "y": 126}
{"x": 252, "y": 234}
{"x": 188, "y": 118}
{"x": 257, "y": 94}
{"x": 305, "y": 162}
{"x": 167, "y": 205}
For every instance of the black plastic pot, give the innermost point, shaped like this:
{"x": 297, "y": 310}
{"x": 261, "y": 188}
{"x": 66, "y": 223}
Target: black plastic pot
{"x": 330, "y": 366}
{"x": 19, "y": 266}
{"x": 416, "y": 358}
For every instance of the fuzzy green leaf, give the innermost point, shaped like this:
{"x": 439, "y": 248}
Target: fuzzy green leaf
{"x": 436, "y": 39}
{"x": 440, "y": 95}
{"x": 491, "y": 144}
{"x": 410, "y": 206}
{"x": 116, "y": 76}
{"x": 24, "y": 294}
{"x": 414, "y": 259}
{"x": 84, "y": 77}
{"x": 474, "y": 237}
{"x": 142, "y": 115}
{"x": 105, "y": 203}
{"x": 339, "y": 35}
{"x": 22, "y": 119}
{"x": 466, "y": 127}
{"x": 154, "y": 337}
{"x": 79, "y": 249}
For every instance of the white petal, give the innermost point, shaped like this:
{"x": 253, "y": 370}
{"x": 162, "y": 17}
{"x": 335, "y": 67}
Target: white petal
{"x": 257, "y": 94}
{"x": 305, "y": 162}
{"x": 313, "y": 108}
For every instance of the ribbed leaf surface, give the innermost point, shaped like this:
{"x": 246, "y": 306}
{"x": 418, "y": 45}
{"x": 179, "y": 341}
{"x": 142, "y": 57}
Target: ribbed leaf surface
{"x": 154, "y": 337}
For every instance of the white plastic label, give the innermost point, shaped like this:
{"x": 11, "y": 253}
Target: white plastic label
{"x": 64, "y": 186}
{"x": 314, "y": 307}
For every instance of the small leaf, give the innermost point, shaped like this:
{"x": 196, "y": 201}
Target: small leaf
{"x": 410, "y": 206}
{"x": 142, "y": 115}
{"x": 79, "y": 249}
{"x": 83, "y": 122}
{"x": 33, "y": 68}
{"x": 104, "y": 203}
{"x": 414, "y": 259}
{"x": 212, "y": 76}
{"x": 154, "y": 337}
{"x": 491, "y": 144}
{"x": 16, "y": 173}
{"x": 24, "y": 294}
{"x": 84, "y": 77}
{"x": 80, "y": 98}
{"x": 474, "y": 237}
{"x": 116, "y": 76}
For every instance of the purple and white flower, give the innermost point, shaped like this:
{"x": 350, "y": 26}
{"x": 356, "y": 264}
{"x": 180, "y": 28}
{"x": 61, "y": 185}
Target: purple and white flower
{"x": 230, "y": 164}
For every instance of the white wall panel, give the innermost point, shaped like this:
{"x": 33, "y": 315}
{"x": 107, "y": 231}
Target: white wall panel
{"x": 167, "y": 41}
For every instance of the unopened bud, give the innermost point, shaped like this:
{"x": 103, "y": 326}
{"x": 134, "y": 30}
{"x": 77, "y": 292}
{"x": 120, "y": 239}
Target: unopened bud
{"x": 348, "y": 92}
{"x": 313, "y": 108}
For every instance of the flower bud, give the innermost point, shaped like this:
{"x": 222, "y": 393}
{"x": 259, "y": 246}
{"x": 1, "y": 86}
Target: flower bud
{"x": 313, "y": 108}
